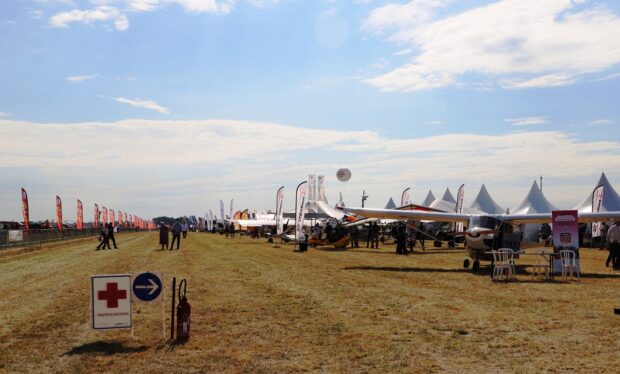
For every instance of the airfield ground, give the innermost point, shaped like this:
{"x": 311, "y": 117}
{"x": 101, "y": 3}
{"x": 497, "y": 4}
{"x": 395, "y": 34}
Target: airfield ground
{"x": 262, "y": 309}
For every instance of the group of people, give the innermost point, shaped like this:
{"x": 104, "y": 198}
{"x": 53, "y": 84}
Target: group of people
{"x": 177, "y": 230}
{"x": 107, "y": 235}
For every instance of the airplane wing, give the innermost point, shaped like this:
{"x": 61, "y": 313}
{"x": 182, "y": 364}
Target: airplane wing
{"x": 546, "y": 217}
{"x": 408, "y": 214}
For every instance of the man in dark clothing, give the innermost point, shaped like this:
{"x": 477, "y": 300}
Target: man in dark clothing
{"x": 111, "y": 235}
{"x": 176, "y": 234}
{"x": 105, "y": 239}
{"x": 355, "y": 234}
{"x": 401, "y": 240}
{"x": 369, "y": 236}
{"x": 375, "y": 235}
{"x": 328, "y": 232}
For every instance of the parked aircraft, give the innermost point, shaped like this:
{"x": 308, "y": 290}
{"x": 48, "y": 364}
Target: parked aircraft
{"x": 485, "y": 232}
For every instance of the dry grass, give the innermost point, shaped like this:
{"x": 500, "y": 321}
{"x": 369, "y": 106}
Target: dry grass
{"x": 263, "y": 309}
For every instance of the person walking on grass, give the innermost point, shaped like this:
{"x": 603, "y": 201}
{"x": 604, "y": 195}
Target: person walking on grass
{"x": 176, "y": 234}
{"x": 163, "y": 236}
{"x": 111, "y": 235}
{"x": 185, "y": 228}
{"x": 613, "y": 238}
{"x": 104, "y": 237}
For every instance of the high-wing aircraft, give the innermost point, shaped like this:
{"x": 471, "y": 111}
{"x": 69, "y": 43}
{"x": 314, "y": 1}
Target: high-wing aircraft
{"x": 485, "y": 232}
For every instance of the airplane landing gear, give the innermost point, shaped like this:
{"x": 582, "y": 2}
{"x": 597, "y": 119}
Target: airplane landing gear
{"x": 476, "y": 266}
{"x": 466, "y": 263}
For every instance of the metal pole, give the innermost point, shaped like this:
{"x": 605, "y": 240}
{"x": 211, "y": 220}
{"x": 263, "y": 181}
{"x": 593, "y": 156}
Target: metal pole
{"x": 541, "y": 184}
{"x": 174, "y": 289}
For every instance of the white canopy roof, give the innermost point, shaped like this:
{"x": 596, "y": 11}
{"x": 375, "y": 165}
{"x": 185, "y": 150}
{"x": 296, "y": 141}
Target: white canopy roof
{"x": 611, "y": 200}
{"x": 447, "y": 196}
{"x": 485, "y": 203}
{"x": 534, "y": 202}
{"x": 429, "y": 198}
{"x": 390, "y": 204}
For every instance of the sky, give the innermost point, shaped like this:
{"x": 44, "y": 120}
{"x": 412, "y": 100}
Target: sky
{"x": 165, "y": 107}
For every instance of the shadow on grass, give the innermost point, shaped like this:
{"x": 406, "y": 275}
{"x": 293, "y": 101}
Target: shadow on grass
{"x": 107, "y": 348}
{"x": 406, "y": 269}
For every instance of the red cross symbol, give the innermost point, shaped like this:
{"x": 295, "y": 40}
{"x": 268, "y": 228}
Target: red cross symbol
{"x": 112, "y": 294}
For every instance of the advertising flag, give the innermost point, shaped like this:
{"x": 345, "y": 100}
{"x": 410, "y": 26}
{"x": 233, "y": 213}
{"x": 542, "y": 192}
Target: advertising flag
{"x": 565, "y": 235}
{"x": 120, "y": 218}
{"x": 459, "y": 206}
{"x": 300, "y": 204}
{"x": 231, "y": 209}
{"x": 597, "y": 202}
{"x": 210, "y": 220}
{"x": 25, "y": 211}
{"x": 222, "y": 210}
{"x": 279, "y": 201}
{"x": 311, "y": 187}
{"x": 96, "y": 219}
{"x": 126, "y": 221}
{"x": 404, "y": 199}
{"x": 80, "y": 216}
{"x": 321, "y": 188}
{"x": 59, "y": 212}
{"x": 112, "y": 217}
{"x": 105, "y": 215}
{"x": 130, "y": 222}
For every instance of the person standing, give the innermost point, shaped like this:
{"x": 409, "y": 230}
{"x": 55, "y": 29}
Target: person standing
{"x": 163, "y": 235}
{"x": 401, "y": 239}
{"x": 613, "y": 238}
{"x": 176, "y": 234}
{"x": 185, "y": 228}
{"x": 375, "y": 236}
{"x": 355, "y": 236}
{"x": 105, "y": 239}
{"x": 111, "y": 235}
{"x": 603, "y": 239}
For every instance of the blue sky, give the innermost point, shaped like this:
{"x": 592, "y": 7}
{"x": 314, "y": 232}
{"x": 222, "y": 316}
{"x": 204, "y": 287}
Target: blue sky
{"x": 179, "y": 100}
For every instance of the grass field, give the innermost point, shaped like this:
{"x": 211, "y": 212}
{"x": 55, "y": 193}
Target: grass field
{"x": 256, "y": 308}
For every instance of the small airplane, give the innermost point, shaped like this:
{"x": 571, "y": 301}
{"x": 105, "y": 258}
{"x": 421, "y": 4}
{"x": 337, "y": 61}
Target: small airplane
{"x": 485, "y": 232}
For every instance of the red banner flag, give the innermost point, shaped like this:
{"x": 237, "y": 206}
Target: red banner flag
{"x": 126, "y": 219}
{"x": 120, "y": 218}
{"x": 105, "y": 215}
{"x": 111, "y": 217}
{"x": 80, "y": 216}
{"x": 96, "y": 219}
{"x": 25, "y": 209}
{"x": 59, "y": 212}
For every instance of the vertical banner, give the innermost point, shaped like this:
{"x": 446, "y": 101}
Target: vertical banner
{"x": 96, "y": 219}
{"x": 126, "y": 221}
{"x": 120, "y": 218}
{"x": 300, "y": 211}
{"x": 59, "y": 212}
{"x": 210, "y": 220}
{"x": 565, "y": 235}
{"x": 459, "y": 206}
{"x": 80, "y": 216}
{"x": 231, "y": 209}
{"x": 105, "y": 215}
{"x": 279, "y": 201}
{"x": 321, "y": 188}
{"x": 597, "y": 202}
{"x": 130, "y": 222}
{"x": 112, "y": 217}
{"x": 25, "y": 210}
{"x": 404, "y": 199}
{"x": 222, "y": 210}
{"x": 311, "y": 187}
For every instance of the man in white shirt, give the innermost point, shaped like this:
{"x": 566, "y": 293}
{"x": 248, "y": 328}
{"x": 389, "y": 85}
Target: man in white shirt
{"x": 613, "y": 238}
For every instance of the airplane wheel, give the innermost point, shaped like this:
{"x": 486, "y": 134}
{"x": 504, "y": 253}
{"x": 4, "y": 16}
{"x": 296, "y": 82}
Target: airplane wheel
{"x": 466, "y": 263}
{"x": 437, "y": 243}
{"x": 476, "y": 266}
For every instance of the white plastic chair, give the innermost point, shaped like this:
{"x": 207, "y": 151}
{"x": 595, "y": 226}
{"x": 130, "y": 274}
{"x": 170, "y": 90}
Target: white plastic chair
{"x": 503, "y": 260}
{"x": 568, "y": 259}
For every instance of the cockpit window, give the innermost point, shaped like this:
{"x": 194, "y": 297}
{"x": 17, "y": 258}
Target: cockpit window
{"x": 484, "y": 222}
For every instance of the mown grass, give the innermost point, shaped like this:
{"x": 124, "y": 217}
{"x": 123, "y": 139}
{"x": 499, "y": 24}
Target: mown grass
{"x": 262, "y": 309}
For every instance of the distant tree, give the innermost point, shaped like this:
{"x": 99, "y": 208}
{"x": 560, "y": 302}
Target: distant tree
{"x": 164, "y": 219}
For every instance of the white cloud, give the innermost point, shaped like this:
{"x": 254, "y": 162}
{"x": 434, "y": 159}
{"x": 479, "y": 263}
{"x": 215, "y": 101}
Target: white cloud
{"x": 80, "y": 78}
{"x": 99, "y": 14}
{"x": 194, "y": 163}
{"x": 527, "y": 121}
{"x": 516, "y": 43}
{"x": 4, "y": 114}
{"x": 600, "y": 122}
{"x": 146, "y": 104}
{"x": 436, "y": 122}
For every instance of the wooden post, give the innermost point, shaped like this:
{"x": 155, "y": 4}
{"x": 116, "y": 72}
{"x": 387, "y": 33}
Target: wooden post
{"x": 174, "y": 289}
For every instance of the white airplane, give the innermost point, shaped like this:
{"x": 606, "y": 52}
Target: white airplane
{"x": 485, "y": 232}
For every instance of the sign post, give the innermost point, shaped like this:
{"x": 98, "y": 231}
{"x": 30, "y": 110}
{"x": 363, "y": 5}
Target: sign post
{"x": 111, "y": 302}
{"x": 565, "y": 236}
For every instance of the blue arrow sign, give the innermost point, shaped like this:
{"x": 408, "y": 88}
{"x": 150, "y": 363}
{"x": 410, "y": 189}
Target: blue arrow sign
{"x": 147, "y": 286}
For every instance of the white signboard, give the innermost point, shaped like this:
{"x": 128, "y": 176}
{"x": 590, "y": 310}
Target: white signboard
{"x": 16, "y": 235}
{"x": 111, "y": 301}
